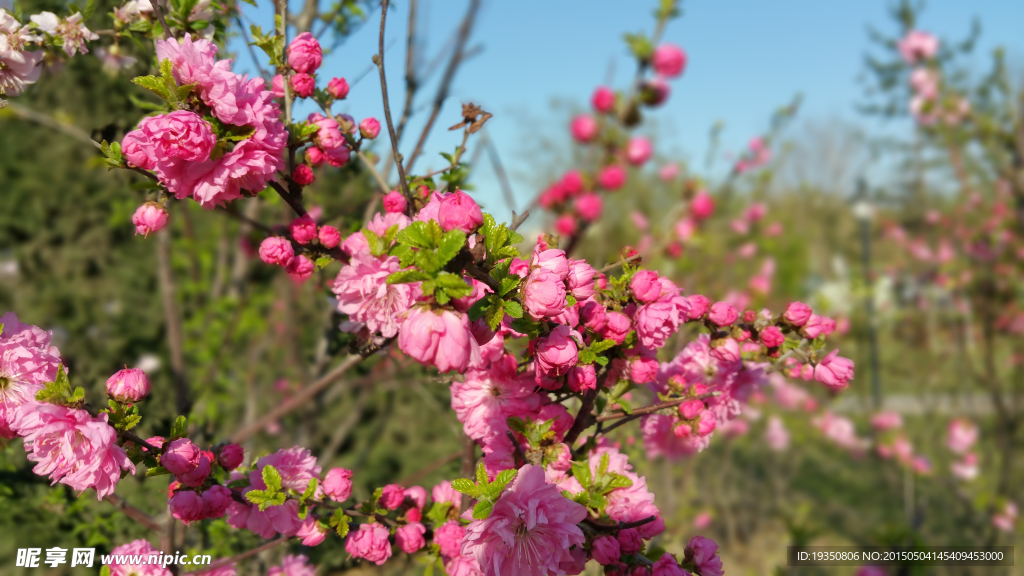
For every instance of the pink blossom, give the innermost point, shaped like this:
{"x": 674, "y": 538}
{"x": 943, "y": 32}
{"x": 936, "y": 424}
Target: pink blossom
{"x": 606, "y": 550}
{"x": 304, "y": 53}
{"x": 449, "y": 538}
{"x": 303, "y": 175}
{"x": 128, "y": 385}
{"x": 444, "y": 492}
{"x": 18, "y": 67}
{"x": 583, "y": 378}
{"x": 667, "y": 565}
{"x": 639, "y": 151}
{"x": 556, "y": 352}
{"x": 198, "y": 475}
{"x": 584, "y": 128}
{"x": 216, "y": 501}
{"x": 277, "y": 86}
{"x": 418, "y": 496}
{"x": 659, "y": 439}
{"x": 776, "y": 435}
{"x": 364, "y": 294}
{"x": 632, "y": 503}
{"x": 337, "y": 484}
{"x": 611, "y": 178}
{"x": 277, "y": 250}
{"x": 588, "y": 206}
{"x": 441, "y": 338}
{"x": 529, "y": 531}
{"x": 186, "y": 506}
{"x": 300, "y": 268}
{"x": 917, "y": 46}
{"x": 179, "y": 135}
{"x": 543, "y": 293}
{"x": 73, "y": 448}
{"x": 925, "y": 83}
{"x": 886, "y": 420}
{"x": 551, "y": 259}
{"x": 565, "y": 225}
{"x": 486, "y": 398}
{"x": 723, "y": 314}
{"x": 329, "y": 236}
{"x": 702, "y": 206}
{"x": 961, "y": 435}
{"x": 704, "y": 552}
{"x": 646, "y": 286}
{"x": 312, "y": 533}
{"x": 603, "y": 100}
{"x": 772, "y": 337}
{"x": 293, "y": 565}
{"x": 698, "y": 306}
{"x": 137, "y": 550}
{"x": 580, "y": 279}
{"x": 797, "y": 313}
{"x": 337, "y": 88}
{"x": 231, "y": 456}
{"x": 462, "y": 566}
{"x": 392, "y": 496}
{"x": 149, "y": 217}
{"x": 181, "y": 457}
{"x": 369, "y": 128}
{"x": 669, "y": 60}
{"x": 395, "y": 202}
{"x": 303, "y": 229}
{"x": 302, "y": 84}
{"x": 370, "y": 542}
{"x": 617, "y": 327}
{"x": 296, "y": 465}
{"x": 409, "y": 537}
{"x": 819, "y": 326}
{"x": 459, "y": 211}
{"x": 834, "y": 371}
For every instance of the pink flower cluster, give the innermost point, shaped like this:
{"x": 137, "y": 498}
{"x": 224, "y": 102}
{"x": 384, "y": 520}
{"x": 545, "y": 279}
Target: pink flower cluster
{"x": 182, "y": 147}
{"x": 279, "y": 251}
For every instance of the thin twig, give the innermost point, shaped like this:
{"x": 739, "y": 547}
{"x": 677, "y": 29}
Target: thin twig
{"x": 446, "y": 81}
{"x": 429, "y": 469}
{"x": 379, "y": 61}
{"x": 242, "y": 556}
{"x": 620, "y": 263}
{"x": 133, "y": 512}
{"x": 175, "y": 337}
{"x": 160, "y": 16}
{"x": 252, "y": 51}
{"x": 374, "y": 172}
{"x": 499, "y": 169}
{"x": 619, "y": 525}
{"x": 411, "y": 82}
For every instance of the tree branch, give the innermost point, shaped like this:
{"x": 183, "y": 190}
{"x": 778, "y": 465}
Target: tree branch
{"x": 175, "y": 338}
{"x": 133, "y": 512}
{"x": 378, "y": 59}
{"x": 242, "y": 556}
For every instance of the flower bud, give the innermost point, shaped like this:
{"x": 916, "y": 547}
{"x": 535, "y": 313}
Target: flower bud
{"x": 459, "y": 210}
{"x": 603, "y": 100}
{"x": 303, "y": 229}
{"x": 409, "y": 538}
{"x": 231, "y": 456}
{"x": 797, "y": 313}
{"x": 181, "y": 457}
{"x": 638, "y": 151}
{"x": 337, "y": 484}
{"x": 128, "y": 385}
{"x": 186, "y": 506}
{"x": 337, "y": 88}
{"x": 277, "y": 86}
{"x": 556, "y": 352}
{"x": 584, "y": 128}
{"x": 606, "y": 550}
{"x": 395, "y": 202}
{"x": 303, "y": 175}
{"x": 149, "y": 217}
{"x": 702, "y": 206}
{"x": 646, "y": 286}
{"x": 583, "y": 378}
{"x": 277, "y": 250}
{"x": 369, "y": 128}
{"x": 300, "y": 268}
{"x": 723, "y": 314}
{"x": 329, "y": 236}
{"x": 315, "y": 156}
{"x": 772, "y": 337}
{"x": 305, "y": 54}
{"x": 669, "y": 60}
{"x": 392, "y": 496}
{"x": 302, "y": 84}
{"x": 588, "y": 206}
{"x": 611, "y": 178}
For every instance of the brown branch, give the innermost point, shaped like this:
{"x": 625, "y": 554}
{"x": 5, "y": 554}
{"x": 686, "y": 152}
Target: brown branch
{"x": 583, "y": 418}
{"x": 480, "y": 274}
{"x": 378, "y": 59}
{"x": 517, "y": 221}
{"x": 446, "y": 82}
{"x": 160, "y": 16}
{"x": 499, "y": 170}
{"x": 620, "y": 525}
{"x": 44, "y": 120}
{"x": 620, "y": 263}
{"x": 305, "y": 395}
{"x": 429, "y": 469}
{"x": 133, "y": 512}
{"x": 242, "y": 556}
{"x": 625, "y": 418}
{"x": 175, "y": 338}
{"x": 411, "y": 82}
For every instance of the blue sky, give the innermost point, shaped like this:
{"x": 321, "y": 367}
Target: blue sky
{"x": 746, "y": 57}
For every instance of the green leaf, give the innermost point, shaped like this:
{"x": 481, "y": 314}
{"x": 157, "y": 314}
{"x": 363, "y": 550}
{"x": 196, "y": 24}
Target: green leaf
{"x": 586, "y": 356}
{"x": 310, "y": 490}
{"x": 618, "y": 481}
{"x": 625, "y": 405}
{"x": 603, "y": 466}
{"x": 272, "y": 478}
{"x": 581, "y": 472}
{"x": 179, "y": 428}
{"x": 417, "y": 235}
{"x": 513, "y": 308}
{"x": 581, "y": 498}
{"x": 570, "y": 300}
{"x": 603, "y": 345}
{"x": 465, "y": 486}
{"x": 154, "y": 85}
{"x": 376, "y": 242}
{"x": 451, "y": 243}
{"x": 438, "y": 512}
{"x": 482, "y": 510}
{"x": 516, "y": 424}
{"x": 56, "y": 392}
{"x": 156, "y": 471}
{"x": 303, "y": 510}
{"x": 406, "y": 276}
{"x": 240, "y": 483}
{"x": 340, "y": 522}
{"x": 496, "y": 313}
{"x": 481, "y": 475}
{"x": 105, "y": 571}
{"x": 504, "y": 477}
{"x": 477, "y": 310}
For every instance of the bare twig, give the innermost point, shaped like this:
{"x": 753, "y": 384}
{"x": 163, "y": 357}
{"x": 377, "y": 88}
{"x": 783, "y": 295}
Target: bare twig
{"x": 620, "y": 263}
{"x": 374, "y": 172}
{"x": 252, "y": 51}
{"x": 242, "y": 556}
{"x": 429, "y": 469}
{"x": 133, "y": 512}
{"x": 499, "y": 169}
{"x": 378, "y": 59}
{"x": 411, "y": 82}
{"x": 619, "y": 525}
{"x": 160, "y": 16}
{"x": 175, "y": 338}
{"x": 40, "y": 118}
{"x": 446, "y": 81}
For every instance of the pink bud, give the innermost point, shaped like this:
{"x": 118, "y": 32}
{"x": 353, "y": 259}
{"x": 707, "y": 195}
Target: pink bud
{"x": 277, "y": 250}
{"x": 304, "y": 53}
{"x": 603, "y": 100}
{"x": 606, "y": 550}
{"x": 583, "y": 378}
{"x": 186, "y": 506}
{"x": 337, "y": 88}
{"x": 772, "y": 337}
{"x": 556, "y": 352}
{"x": 314, "y": 155}
{"x": 630, "y": 541}
{"x": 414, "y": 515}
{"x": 543, "y": 293}
{"x": 149, "y": 217}
{"x": 584, "y": 128}
{"x": 128, "y": 385}
{"x": 337, "y": 484}
{"x": 300, "y": 268}
{"x": 643, "y": 369}
{"x": 819, "y": 326}
{"x": 702, "y": 206}
{"x": 723, "y": 314}
{"x": 231, "y": 456}
{"x": 834, "y": 371}
{"x": 646, "y": 286}
{"x": 409, "y": 537}
{"x": 181, "y": 457}
{"x": 565, "y": 225}
{"x": 392, "y": 496}
{"x": 797, "y": 313}
{"x": 303, "y": 175}
{"x": 216, "y": 501}
{"x": 698, "y": 306}
{"x": 277, "y": 86}
{"x": 580, "y": 279}
{"x": 369, "y": 128}
{"x": 329, "y": 236}
{"x": 302, "y": 84}
{"x": 311, "y": 532}
{"x": 196, "y": 477}
{"x": 707, "y": 423}
{"x": 395, "y": 202}
{"x": 611, "y": 178}
{"x": 459, "y": 210}
{"x": 588, "y": 206}
{"x": 669, "y": 60}
{"x": 638, "y": 151}
{"x": 418, "y": 495}
{"x": 617, "y": 326}
{"x": 691, "y": 408}
{"x": 303, "y": 229}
